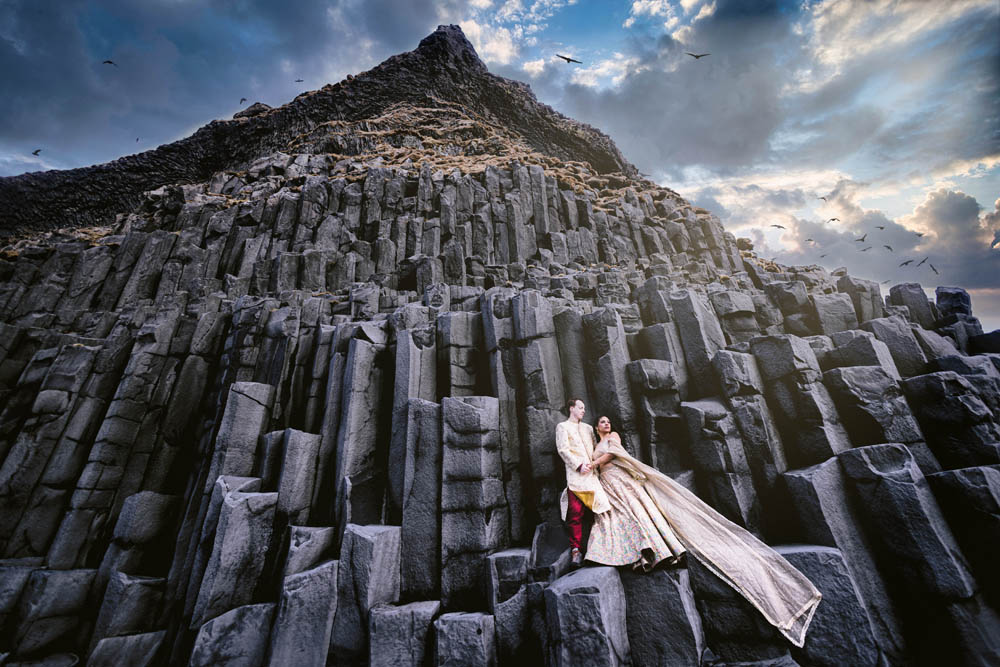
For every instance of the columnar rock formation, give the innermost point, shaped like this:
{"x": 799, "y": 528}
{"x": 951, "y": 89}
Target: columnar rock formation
{"x": 302, "y": 411}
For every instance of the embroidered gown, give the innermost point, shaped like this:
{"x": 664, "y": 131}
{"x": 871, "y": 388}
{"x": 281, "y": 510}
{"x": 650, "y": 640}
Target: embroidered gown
{"x": 654, "y": 518}
{"x": 634, "y": 531}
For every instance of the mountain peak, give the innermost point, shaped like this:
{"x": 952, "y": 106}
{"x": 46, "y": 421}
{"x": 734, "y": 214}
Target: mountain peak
{"x": 449, "y": 43}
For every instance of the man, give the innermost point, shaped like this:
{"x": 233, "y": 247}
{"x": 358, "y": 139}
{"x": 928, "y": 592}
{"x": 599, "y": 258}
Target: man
{"x": 583, "y": 492}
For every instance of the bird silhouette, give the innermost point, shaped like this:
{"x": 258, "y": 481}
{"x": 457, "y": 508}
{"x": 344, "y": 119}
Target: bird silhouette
{"x": 879, "y": 226}
{"x": 919, "y": 233}
{"x": 778, "y": 226}
{"x": 862, "y": 239}
{"x": 866, "y": 249}
{"x": 909, "y": 261}
{"x": 36, "y": 151}
{"x": 888, "y": 246}
{"x": 822, "y": 256}
{"x": 110, "y": 62}
{"x": 810, "y": 241}
{"x": 697, "y": 55}
{"x": 933, "y": 269}
{"x": 568, "y": 59}
{"x": 885, "y": 281}
{"x": 242, "y": 100}
{"x": 923, "y": 260}
{"x": 823, "y": 198}
{"x": 298, "y": 80}
{"x": 832, "y": 219}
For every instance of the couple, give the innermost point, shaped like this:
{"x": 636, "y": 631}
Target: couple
{"x": 643, "y": 517}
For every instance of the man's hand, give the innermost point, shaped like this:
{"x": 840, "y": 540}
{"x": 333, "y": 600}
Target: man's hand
{"x": 585, "y": 468}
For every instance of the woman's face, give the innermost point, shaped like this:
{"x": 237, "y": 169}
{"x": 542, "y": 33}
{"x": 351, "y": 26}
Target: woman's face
{"x": 603, "y": 425}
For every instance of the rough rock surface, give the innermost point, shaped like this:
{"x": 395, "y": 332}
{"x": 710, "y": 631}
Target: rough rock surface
{"x": 292, "y": 399}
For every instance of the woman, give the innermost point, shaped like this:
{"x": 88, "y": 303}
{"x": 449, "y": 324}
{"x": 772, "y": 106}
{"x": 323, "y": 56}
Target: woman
{"x": 633, "y": 532}
{"x": 654, "y": 519}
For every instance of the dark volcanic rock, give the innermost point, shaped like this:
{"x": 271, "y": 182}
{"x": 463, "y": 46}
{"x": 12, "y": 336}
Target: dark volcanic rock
{"x": 255, "y": 109}
{"x": 296, "y": 402}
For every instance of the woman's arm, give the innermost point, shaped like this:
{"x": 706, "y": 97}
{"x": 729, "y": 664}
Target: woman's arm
{"x": 603, "y": 458}
{"x": 608, "y": 457}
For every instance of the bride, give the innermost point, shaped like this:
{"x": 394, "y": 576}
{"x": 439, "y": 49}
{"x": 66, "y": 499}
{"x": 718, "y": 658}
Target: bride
{"x": 655, "y": 519}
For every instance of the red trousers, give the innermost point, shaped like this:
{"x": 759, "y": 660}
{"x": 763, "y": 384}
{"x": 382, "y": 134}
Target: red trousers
{"x": 575, "y": 513}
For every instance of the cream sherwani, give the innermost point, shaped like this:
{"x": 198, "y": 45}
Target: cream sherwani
{"x": 575, "y": 444}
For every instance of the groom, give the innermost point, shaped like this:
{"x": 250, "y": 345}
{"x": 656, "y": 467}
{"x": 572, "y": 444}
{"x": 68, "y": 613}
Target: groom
{"x": 583, "y": 493}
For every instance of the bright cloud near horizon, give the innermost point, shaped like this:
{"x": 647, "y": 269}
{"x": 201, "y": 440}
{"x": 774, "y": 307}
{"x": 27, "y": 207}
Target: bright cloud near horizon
{"x": 889, "y": 109}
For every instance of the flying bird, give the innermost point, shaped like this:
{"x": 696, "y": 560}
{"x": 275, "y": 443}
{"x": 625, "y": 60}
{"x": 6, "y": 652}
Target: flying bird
{"x": 879, "y": 226}
{"x": 888, "y": 246}
{"x": 832, "y": 219}
{"x": 923, "y": 260}
{"x": 909, "y": 261}
{"x": 866, "y": 249}
{"x": 242, "y": 100}
{"x": 697, "y": 55}
{"x": 822, "y": 256}
{"x": 110, "y": 62}
{"x": 298, "y": 80}
{"x": 137, "y": 140}
{"x": 919, "y": 233}
{"x": 933, "y": 269}
{"x": 885, "y": 281}
{"x": 810, "y": 241}
{"x": 778, "y": 226}
{"x": 823, "y": 198}
{"x": 36, "y": 151}
{"x": 862, "y": 239}
{"x": 568, "y": 59}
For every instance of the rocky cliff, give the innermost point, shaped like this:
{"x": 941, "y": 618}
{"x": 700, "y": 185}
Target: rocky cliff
{"x": 288, "y": 397}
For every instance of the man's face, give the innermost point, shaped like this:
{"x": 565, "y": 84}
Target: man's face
{"x": 577, "y": 411}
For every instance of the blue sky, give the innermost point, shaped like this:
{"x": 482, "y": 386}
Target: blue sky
{"x": 889, "y": 109}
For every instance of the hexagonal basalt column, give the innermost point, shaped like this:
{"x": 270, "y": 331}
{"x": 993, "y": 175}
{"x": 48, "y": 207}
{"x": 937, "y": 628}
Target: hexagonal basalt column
{"x": 474, "y": 515}
{"x": 587, "y": 619}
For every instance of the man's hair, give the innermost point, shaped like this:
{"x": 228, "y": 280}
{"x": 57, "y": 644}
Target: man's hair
{"x": 572, "y": 402}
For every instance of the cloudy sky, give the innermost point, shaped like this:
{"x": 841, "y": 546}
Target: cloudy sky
{"x": 889, "y": 109}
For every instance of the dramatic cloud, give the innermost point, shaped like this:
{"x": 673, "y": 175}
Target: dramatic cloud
{"x": 534, "y": 67}
{"x": 991, "y": 221}
{"x": 493, "y": 44}
{"x": 946, "y": 228}
{"x": 669, "y": 111}
{"x": 843, "y": 30}
{"x": 615, "y": 68}
{"x": 660, "y": 9}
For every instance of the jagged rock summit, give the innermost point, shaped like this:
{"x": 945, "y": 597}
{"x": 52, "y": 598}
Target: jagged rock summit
{"x": 297, "y": 405}
{"x": 443, "y": 71}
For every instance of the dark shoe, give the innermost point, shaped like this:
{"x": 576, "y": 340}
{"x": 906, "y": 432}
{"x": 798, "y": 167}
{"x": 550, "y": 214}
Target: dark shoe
{"x": 575, "y": 557}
